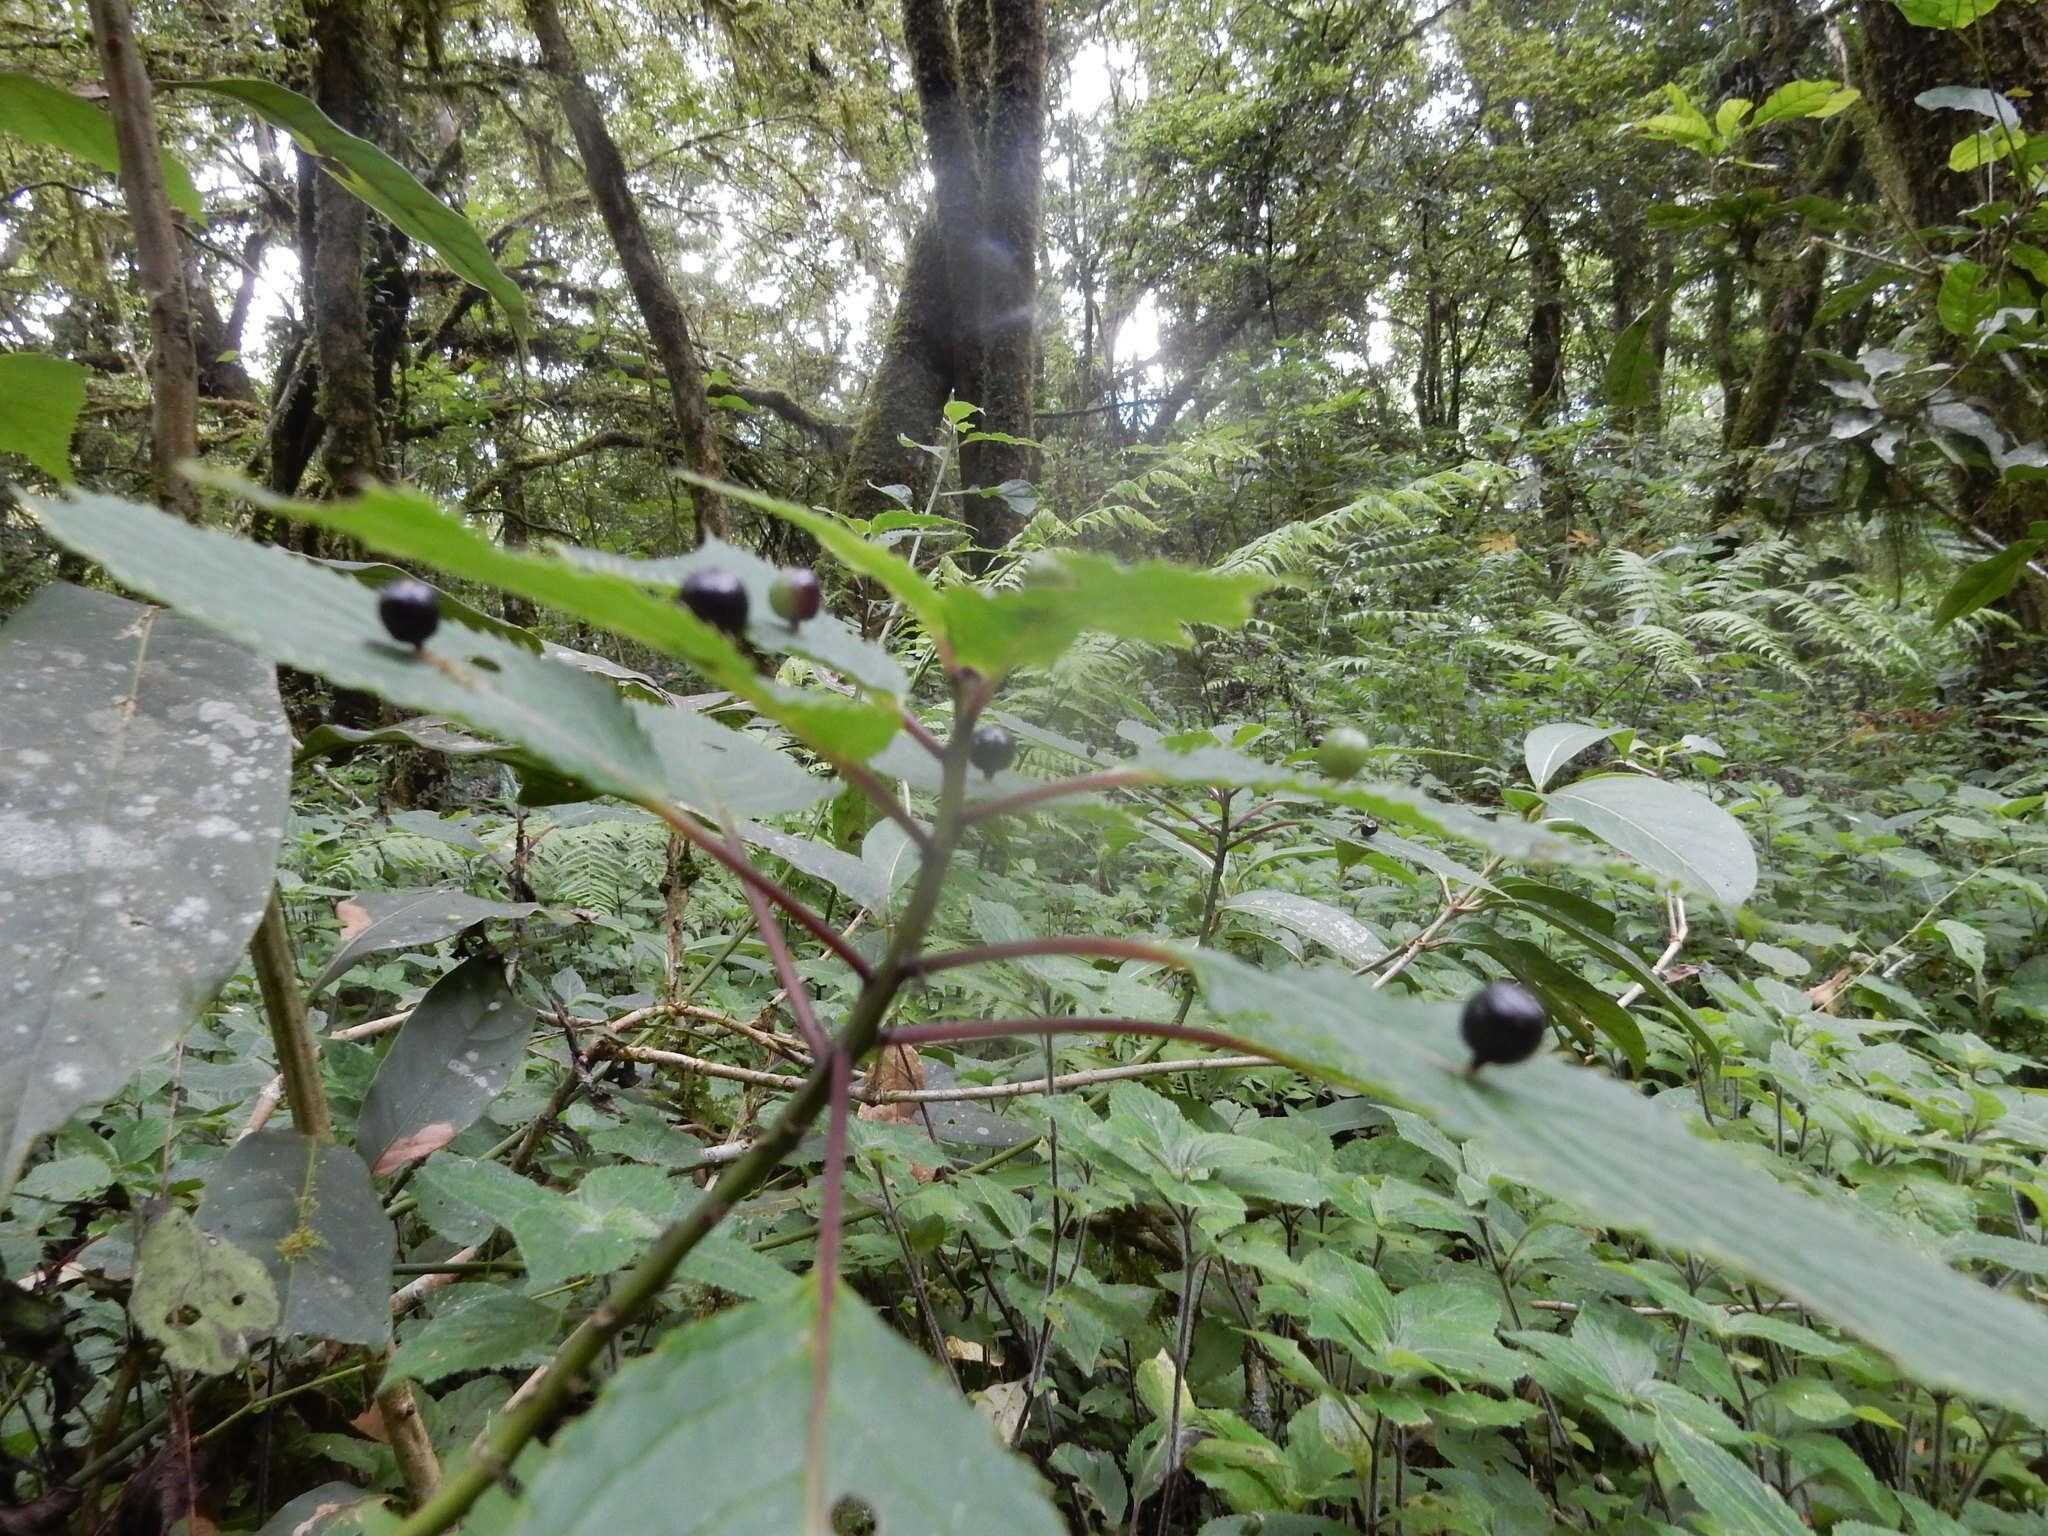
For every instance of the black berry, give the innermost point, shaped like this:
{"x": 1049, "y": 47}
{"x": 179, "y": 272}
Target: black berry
{"x": 1503, "y": 1023}
{"x": 717, "y": 598}
{"x": 992, "y": 750}
{"x": 796, "y": 595}
{"x": 1367, "y": 827}
{"x": 411, "y": 610}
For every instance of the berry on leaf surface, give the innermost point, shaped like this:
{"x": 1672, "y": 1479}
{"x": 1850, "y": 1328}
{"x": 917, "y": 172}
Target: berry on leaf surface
{"x": 411, "y": 611}
{"x": 716, "y": 597}
{"x": 796, "y": 595}
{"x": 1503, "y": 1023}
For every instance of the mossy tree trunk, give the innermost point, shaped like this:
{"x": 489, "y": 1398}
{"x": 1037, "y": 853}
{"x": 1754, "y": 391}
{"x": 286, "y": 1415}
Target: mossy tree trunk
{"x": 965, "y": 321}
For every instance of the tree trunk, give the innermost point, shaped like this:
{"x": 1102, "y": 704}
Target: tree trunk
{"x": 965, "y": 321}
{"x": 660, "y": 308}
{"x": 173, "y": 364}
{"x": 1545, "y": 392}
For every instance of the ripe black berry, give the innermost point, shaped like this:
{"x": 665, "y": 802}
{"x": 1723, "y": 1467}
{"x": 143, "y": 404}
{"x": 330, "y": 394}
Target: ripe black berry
{"x": 992, "y": 750}
{"x": 1503, "y": 1023}
{"x": 411, "y": 610}
{"x": 717, "y": 598}
{"x": 1367, "y": 826}
{"x": 795, "y": 595}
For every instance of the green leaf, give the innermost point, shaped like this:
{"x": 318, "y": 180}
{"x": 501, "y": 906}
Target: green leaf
{"x": 1970, "y": 98}
{"x": 40, "y": 398}
{"x": 1945, "y": 15}
{"x": 1964, "y": 299}
{"x": 411, "y": 526}
{"x": 726, "y": 773}
{"x": 383, "y": 183}
{"x": 1741, "y": 1503}
{"x": 1804, "y": 98}
{"x": 1612, "y": 1153}
{"x": 143, "y": 775}
{"x": 1567, "y": 994}
{"x": 199, "y": 1295}
{"x": 719, "y": 1410}
{"x": 42, "y": 113}
{"x": 1337, "y": 931}
{"x": 381, "y": 920}
{"x": 1984, "y": 147}
{"x": 1069, "y": 593}
{"x": 1629, "y": 381}
{"x": 615, "y": 1212}
{"x": 462, "y": 1044}
{"x": 328, "y": 1510}
{"x": 308, "y": 1211}
{"x": 476, "y": 1328}
{"x": 1986, "y": 581}
{"x": 1669, "y": 828}
{"x": 1549, "y": 747}
{"x": 321, "y": 621}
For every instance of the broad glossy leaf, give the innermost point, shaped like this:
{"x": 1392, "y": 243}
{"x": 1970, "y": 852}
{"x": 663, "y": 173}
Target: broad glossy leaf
{"x": 410, "y": 920}
{"x": 1668, "y": 828}
{"x": 199, "y": 1296}
{"x": 321, "y": 621}
{"x": 308, "y": 1210}
{"x": 1605, "y": 1149}
{"x": 1549, "y": 747}
{"x": 381, "y": 182}
{"x": 1629, "y": 381}
{"x": 1970, "y": 98}
{"x": 48, "y": 114}
{"x": 40, "y": 398}
{"x": 411, "y": 526}
{"x": 719, "y": 1410}
{"x": 143, "y": 774}
{"x": 1805, "y": 98}
{"x": 456, "y": 1052}
{"x": 1946, "y": 15}
{"x": 1985, "y": 582}
{"x": 1336, "y": 930}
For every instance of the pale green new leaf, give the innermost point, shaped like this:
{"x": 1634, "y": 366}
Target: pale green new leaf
{"x": 717, "y": 1414}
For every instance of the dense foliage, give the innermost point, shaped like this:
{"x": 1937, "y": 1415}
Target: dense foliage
{"x": 1153, "y": 768}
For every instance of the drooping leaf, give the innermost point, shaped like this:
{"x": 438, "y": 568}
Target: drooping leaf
{"x": 1945, "y": 15}
{"x": 1970, "y": 98}
{"x": 846, "y": 873}
{"x": 143, "y": 774}
{"x": 380, "y": 920}
{"x": 199, "y": 1295}
{"x": 411, "y": 526}
{"x": 1669, "y": 828}
{"x": 1549, "y": 747}
{"x": 1741, "y": 1503}
{"x": 1981, "y": 584}
{"x": 1964, "y": 300}
{"x": 321, "y": 621}
{"x": 308, "y": 1211}
{"x": 40, "y": 398}
{"x": 1337, "y": 931}
{"x": 456, "y": 1052}
{"x": 719, "y": 1407}
{"x": 381, "y": 182}
{"x": 1629, "y": 381}
{"x": 43, "y": 113}
{"x": 1608, "y": 1151}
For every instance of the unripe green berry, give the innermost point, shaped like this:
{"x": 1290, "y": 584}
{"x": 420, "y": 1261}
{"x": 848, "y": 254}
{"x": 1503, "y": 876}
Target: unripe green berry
{"x": 1343, "y": 751}
{"x": 796, "y": 595}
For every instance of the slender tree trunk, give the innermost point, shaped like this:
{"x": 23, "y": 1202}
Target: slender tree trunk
{"x": 173, "y": 363}
{"x": 660, "y": 309}
{"x": 346, "y": 86}
{"x": 1545, "y": 393}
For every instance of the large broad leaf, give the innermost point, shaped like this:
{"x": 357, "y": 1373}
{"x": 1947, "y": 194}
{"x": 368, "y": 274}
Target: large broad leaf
{"x": 538, "y": 783}
{"x": 719, "y": 1409}
{"x": 456, "y": 1052}
{"x": 1946, "y": 15}
{"x": 1629, "y": 381}
{"x": 614, "y": 1213}
{"x": 1985, "y": 582}
{"x": 44, "y": 113}
{"x": 380, "y": 920}
{"x": 726, "y": 773}
{"x": 846, "y": 873}
{"x": 1741, "y": 1503}
{"x": 1805, "y": 98}
{"x": 308, "y": 1210}
{"x": 200, "y": 1296}
{"x": 40, "y": 398}
{"x": 1671, "y": 829}
{"x": 321, "y": 621}
{"x": 1549, "y": 747}
{"x": 477, "y": 1328}
{"x": 328, "y": 1510}
{"x": 143, "y": 772}
{"x": 381, "y": 182}
{"x": 1613, "y": 1154}
{"x": 410, "y": 525}
{"x": 1337, "y": 931}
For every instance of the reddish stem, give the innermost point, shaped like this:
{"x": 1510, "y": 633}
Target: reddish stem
{"x": 786, "y": 972}
{"x": 885, "y": 802}
{"x": 1081, "y": 784}
{"x": 1001, "y": 1029}
{"x": 831, "y": 1211}
{"x": 921, "y": 734}
{"x": 1012, "y": 949}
